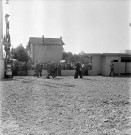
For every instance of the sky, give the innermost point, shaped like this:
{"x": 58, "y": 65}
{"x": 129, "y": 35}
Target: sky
{"x": 91, "y": 26}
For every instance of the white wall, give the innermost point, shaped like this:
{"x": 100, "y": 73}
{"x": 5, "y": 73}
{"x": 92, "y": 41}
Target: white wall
{"x": 1, "y": 54}
{"x": 67, "y": 72}
{"x": 103, "y": 68}
{"x": 96, "y": 66}
{"x": 116, "y": 67}
{"x": 119, "y": 66}
{"x": 122, "y": 67}
{"x": 1, "y": 69}
{"x": 128, "y": 67}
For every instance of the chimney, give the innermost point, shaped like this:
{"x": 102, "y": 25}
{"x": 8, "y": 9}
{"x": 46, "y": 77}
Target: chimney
{"x": 43, "y": 39}
{"x": 61, "y": 38}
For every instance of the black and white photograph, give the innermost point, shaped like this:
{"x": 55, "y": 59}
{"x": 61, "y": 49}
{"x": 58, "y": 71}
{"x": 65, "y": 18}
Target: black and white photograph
{"x": 65, "y": 67}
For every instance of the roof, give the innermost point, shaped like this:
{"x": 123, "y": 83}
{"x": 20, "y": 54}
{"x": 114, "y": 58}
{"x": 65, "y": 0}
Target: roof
{"x": 45, "y": 41}
{"x": 116, "y": 54}
{"x": 108, "y": 54}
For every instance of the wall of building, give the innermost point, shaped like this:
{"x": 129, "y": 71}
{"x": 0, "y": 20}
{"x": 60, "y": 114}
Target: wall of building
{"x": 30, "y": 51}
{"x": 119, "y": 67}
{"x": 1, "y": 59}
{"x": 47, "y": 53}
{"x": 128, "y": 67}
{"x": 1, "y": 53}
{"x": 96, "y": 65}
{"x": 103, "y": 66}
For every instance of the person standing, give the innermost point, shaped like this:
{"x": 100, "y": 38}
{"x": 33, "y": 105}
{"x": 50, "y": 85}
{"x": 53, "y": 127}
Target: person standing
{"x": 9, "y": 70}
{"x": 78, "y": 71}
{"x": 112, "y": 68}
{"x": 40, "y": 68}
{"x": 48, "y": 68}
{"x": 37, "y": 69}
{"x": 59, "y": 69}
{"x": 83, "y": 68}
{"x": 55, "y": 69}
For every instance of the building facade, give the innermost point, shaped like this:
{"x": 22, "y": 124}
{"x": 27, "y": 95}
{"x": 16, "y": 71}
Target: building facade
{"x": 45, "y": 49}
{"x": 1, "y": 43}
{"x": 101, "y": 63}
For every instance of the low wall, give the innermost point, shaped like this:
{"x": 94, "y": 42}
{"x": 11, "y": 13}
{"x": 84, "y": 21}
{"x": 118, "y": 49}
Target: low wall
{"x": 67, "y": 72}
{"x": 1, "y": 69}
{"x": 31, "y": 72}
{"x": 21, "y": 73}
{"x": 44, "y": 72}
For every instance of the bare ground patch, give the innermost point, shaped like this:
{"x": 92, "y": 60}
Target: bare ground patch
{"x": 66, "y": 106}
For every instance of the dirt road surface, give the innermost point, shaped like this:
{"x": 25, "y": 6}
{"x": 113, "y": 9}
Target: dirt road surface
{"x": 66, "y": 106}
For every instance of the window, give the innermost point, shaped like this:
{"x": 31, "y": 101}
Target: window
{"x": 125, "y": 59}
{"x": 115, "y": 60}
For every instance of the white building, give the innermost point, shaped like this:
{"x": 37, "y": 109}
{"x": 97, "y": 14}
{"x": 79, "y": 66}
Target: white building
{"x": 1, "y": 40}
{"x": 101, "y": 63}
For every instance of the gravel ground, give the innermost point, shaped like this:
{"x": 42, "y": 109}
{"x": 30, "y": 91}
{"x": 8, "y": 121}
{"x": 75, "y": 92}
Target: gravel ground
{"x": 66, "y": 106}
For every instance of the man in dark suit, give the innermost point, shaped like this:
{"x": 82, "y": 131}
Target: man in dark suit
{"x": 40, "y": 68}
{"x": 78, "y": 71}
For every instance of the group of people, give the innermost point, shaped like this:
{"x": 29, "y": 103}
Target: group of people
{"x": 53, "y": 69}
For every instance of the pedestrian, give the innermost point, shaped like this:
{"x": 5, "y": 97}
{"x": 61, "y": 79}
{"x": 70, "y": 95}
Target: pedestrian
{"x": 51, "y": 70}
{"x": 55, "y": 69}
{"x": 83, "y": 68}
{"x": 37, "y": 69}
{"x": 59, "y": 69}
{"x": 112, "y": 68}
{"x": 40, "y": 68}
{"x": 48, "y": 68}
{"x": 9, "y": 70}
{"x": 78, "y": 71}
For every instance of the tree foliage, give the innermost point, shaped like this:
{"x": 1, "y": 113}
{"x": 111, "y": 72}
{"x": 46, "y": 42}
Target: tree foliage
{"x": 75, "y": 57}
{"x": 20, "y": 53}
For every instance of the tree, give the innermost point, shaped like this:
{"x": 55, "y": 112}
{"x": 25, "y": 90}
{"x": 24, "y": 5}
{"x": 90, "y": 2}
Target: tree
{"x": 67, "y": 56}
{"x": 20, "y": 53}
{"x": 82, "y": 56}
